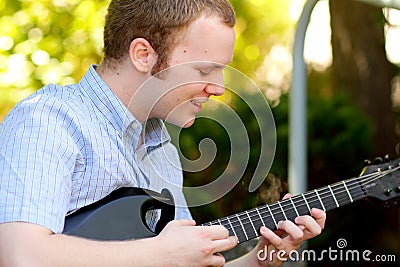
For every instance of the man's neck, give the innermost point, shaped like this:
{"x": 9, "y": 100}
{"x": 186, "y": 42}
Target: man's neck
{"x": 124, "y": 81}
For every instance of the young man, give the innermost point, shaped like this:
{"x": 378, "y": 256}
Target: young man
{"x": 66, "y": 147}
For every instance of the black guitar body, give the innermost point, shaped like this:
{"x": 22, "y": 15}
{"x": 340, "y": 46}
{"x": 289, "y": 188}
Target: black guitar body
{"x": 121, "y": 215}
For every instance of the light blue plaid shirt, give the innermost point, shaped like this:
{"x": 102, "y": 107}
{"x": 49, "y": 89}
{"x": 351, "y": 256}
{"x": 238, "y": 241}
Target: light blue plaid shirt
{"x": 66, "y": 147}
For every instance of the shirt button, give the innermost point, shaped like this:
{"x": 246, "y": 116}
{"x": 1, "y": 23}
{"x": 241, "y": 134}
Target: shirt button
{"x": 134, "y": 125}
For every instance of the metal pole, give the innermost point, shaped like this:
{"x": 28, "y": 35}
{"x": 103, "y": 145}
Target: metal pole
{"x": 298, "y": 106}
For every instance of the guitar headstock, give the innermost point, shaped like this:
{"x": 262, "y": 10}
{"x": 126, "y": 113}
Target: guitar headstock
{"x": 381, "y": 180}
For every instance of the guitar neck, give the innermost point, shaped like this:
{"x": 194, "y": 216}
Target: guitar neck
{"x": 245, "y": 225}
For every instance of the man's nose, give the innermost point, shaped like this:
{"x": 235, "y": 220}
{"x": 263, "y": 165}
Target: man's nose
{"x": 216, "y": 86}
{"x": 215, "y": 89}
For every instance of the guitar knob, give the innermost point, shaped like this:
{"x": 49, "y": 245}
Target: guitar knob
{"x": 378, "y": 160}
{"x": 388, "y": 191}
{"x": 387, "y": 205}
{"x": 397, "y": 189}
{"x": 388, "y": 158}
{"x": 397, "y": 203}
{"x": 367, "y": 163}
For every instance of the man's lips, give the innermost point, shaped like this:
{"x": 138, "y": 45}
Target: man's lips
{"x": 199, "y": 101}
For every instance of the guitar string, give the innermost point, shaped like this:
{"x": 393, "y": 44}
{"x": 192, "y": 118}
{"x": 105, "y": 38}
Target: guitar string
{"x": 246, "y": 224}
{"x": 363, "y": 180}
{"x": 302, "y": 200}
{"x": 353, "y": 180}
{"x": 328, "y": 194}
{"x": 267, "y": 218}
{"x": 289, "y": 204}
{"x": 357, "y": 180}
{"x": 242, "y": 229}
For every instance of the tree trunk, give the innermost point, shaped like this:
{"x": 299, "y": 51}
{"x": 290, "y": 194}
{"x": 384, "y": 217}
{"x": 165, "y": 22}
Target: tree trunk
{"x": 360, "y": 67}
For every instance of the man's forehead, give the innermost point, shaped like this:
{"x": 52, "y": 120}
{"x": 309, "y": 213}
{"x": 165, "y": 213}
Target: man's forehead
{"x": 206, "y": 39}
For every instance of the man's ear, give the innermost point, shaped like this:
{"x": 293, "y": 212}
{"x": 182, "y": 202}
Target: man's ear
{"x": 142, "y": 55}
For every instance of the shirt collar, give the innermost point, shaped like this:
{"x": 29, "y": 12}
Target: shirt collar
{"x": 112, "y": 108}
{"x": 155, "y": 132}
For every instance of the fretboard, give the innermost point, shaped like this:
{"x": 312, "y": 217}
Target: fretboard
{"x": 246, "y": 225}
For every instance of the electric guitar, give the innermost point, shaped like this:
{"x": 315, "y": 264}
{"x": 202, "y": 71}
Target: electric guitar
{"x": 121, "y": 215}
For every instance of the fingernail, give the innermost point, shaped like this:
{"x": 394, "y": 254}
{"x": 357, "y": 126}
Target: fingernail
{"x": 264, "y": 230}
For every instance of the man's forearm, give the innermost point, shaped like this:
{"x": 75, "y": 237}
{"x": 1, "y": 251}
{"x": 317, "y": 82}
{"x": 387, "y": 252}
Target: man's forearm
{"x": 180, "y": 243}
{"x": 23, "y": 245}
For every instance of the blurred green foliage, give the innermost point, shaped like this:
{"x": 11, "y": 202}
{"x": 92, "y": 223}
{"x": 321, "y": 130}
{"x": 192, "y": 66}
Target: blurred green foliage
{"x": 43, "y": 41}
{"x": 261, "y": 25}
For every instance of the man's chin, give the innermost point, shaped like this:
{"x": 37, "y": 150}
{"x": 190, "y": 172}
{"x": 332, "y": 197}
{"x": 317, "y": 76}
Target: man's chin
{"x": 188, "y": 124}
{"x": 179, "y": 122}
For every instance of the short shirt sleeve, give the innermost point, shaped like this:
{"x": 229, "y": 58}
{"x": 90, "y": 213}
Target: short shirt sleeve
{"x": 38, "y": 156}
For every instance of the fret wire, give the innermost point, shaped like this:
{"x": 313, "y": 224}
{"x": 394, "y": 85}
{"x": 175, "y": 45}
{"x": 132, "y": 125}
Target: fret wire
{"x": 306, "y": 203}
{"x": 327, "y": 198}
{"x": 244, "y": 231}
{"x": 322, "y": 204}
{"x": 260, "y": 216}
{"x": 294, "y": 206}
{"x": 233, "y": 229}
{"x": 228, "y": 225}
{"x": 330, "y": 188}
{"x": 251, "y": 221}
{"x": 343, "y": 189}
{"x": 282, "y": 210}
{"x": 272, "y": 216}
{"x": 347, "y": 190}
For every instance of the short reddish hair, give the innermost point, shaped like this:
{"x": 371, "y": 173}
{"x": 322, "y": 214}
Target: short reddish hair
{"x": 158, "y": 21}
